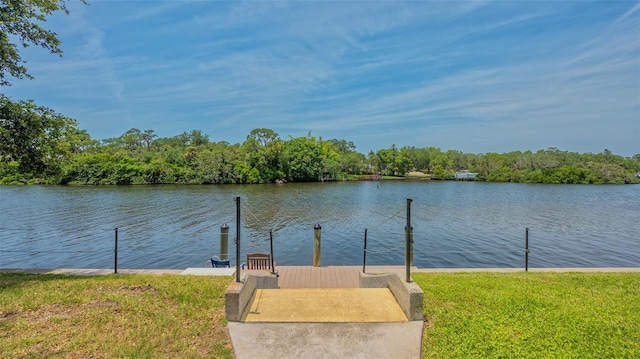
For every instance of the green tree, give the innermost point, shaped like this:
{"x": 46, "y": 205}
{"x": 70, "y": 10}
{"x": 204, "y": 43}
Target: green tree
{"x": 386, "y": 161}
{"x": 19, "y": 22}
{"x": 194, "y": 138}
{"x": 147, "y": 137}
{"x": 80, "y": 141}
{"x": 303, "y": 156}
{"x": 263, "y": 150}
{"x": 458, "y": 159}
{"x": 403, "y": 163}
{"x": 215, "y": 165}
{"x": 348, "y": 159}
{"x": 33, "y": 138}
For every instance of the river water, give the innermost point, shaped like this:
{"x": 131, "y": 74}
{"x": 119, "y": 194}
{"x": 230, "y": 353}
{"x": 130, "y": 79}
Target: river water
{"x": 455, "y": 224}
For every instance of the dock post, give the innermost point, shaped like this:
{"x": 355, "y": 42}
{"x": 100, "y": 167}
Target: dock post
{"x": 411, "y": 248}
{"x": 238, "y": 239}
{"x": 407, "y": 236}
{"x": 115, "y": 252}
{"x": 364, "y": 260}
{"x": 224, "y": 242}
{"x": 273, "y": 268}
{"x": 317, "y": 234}
{"x": 526, "y": 250}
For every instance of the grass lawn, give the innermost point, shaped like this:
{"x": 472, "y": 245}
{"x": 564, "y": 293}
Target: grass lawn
{"x": 531, "y": 315}
{"x": 115, "y": 316}
{"x": 481, "y": 315}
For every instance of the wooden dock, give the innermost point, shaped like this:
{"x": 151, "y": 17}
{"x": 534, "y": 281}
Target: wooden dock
{"x": 318, "y": 277}
{"x": 292, "y": 277}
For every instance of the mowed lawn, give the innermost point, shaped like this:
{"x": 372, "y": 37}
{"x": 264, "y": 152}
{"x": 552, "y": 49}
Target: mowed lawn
{"x": 531, "y": 315}
{"x": 114, "y": 316}
{"x": 468, "y": 315}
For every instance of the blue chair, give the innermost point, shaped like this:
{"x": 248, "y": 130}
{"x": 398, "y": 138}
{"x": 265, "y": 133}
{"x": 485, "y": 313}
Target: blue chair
{"x": 217, "y": 263}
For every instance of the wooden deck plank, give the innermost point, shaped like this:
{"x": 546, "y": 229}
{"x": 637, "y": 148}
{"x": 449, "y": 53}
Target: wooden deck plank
{"x": 307, "y": 276}
{"x": 283, "y": 276}
{"x": 355, "y": 278}
{"x": 287, "y": 279}
{"x": 333, "y": 271}
{"x": 327, "y": 278}
{"x": 324, "y": 276}
{"x": 338, "y": 272}
{"x": 314, "y": 274}
{"x": 315, "y": 277}
{"x": 318, "y": 277}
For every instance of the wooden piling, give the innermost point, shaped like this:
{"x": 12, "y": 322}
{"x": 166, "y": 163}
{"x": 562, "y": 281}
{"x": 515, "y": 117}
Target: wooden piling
{"x": 317, "y": 234}
{"x": 224, "y": 242}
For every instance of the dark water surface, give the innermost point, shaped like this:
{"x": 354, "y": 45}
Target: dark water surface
{"x": 456, "y": 224}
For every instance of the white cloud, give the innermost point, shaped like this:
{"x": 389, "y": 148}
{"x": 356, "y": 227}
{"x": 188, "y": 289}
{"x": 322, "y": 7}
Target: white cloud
{"x": 477, "y": 76}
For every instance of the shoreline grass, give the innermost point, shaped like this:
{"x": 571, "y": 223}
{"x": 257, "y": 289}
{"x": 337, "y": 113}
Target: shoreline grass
{"x": 531, "y": 315}
{"x": 115, "y": 316}
{"x": 468, "y": 315}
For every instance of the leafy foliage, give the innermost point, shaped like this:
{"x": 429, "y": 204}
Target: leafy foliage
{"x": 39, "y": 145}
{"x": 34, "y": 141}
{"x": 19, "y": 20}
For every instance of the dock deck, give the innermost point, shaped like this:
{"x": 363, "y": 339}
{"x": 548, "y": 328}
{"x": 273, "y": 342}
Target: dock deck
{"x": 318, "y": 277}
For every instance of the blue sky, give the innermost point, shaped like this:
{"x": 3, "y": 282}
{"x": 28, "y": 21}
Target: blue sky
{"x": 472, "y": 76}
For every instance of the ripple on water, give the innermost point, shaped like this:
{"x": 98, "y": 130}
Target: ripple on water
{"x": 455, "y": 224}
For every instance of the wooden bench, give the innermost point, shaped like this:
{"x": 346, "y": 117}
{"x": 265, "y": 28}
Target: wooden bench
{"x": 257, "y": 261}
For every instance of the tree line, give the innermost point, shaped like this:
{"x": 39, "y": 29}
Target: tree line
{"x": 38, "y": 145}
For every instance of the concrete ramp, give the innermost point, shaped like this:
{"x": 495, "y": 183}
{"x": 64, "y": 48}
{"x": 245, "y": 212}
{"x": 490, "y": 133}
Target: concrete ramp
{"x": 327, "y": 340}
{"x": 326, "y": 305}
{"x": 383, "y": 318}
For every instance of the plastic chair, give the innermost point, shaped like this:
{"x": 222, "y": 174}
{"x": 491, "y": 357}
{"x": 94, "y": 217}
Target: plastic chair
{"x": 217, "y": 263}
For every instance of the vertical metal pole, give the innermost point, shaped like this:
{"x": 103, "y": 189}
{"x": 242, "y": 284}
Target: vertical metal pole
{"x": 115, "y": 251}
{"x": 364, "y": 260}
{"x": 407, "y": 235}
{"x": 411, "y": 250}
{"x": 237, "y": 239}
{"x": 224, "y": 242}
{"x": 526, "y": 250}
{"x": 273, "y": 269}
{"x": 317, "y": 234}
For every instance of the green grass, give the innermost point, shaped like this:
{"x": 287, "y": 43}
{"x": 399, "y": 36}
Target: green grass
{"x": 468, "y": 315}
{"x": 123, "y": 316}
{"x": 531, "y": 315}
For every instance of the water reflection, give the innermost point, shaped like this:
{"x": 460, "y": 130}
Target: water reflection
{"x": 455, "y": 224}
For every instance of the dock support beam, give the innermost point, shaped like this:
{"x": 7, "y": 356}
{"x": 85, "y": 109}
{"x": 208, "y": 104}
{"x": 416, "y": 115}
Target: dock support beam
{"x": 224, "y": 242}
{"x": 317, "y": 234}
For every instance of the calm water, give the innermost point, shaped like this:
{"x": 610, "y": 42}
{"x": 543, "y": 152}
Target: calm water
{"x": 456, "y": 224}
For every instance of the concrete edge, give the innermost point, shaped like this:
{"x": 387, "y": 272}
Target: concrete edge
{"x": 238, "y": 295}
{"x": 222, "y": 272}
{"x": 89, "y": 272}
{"x": 409, "y": 296}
